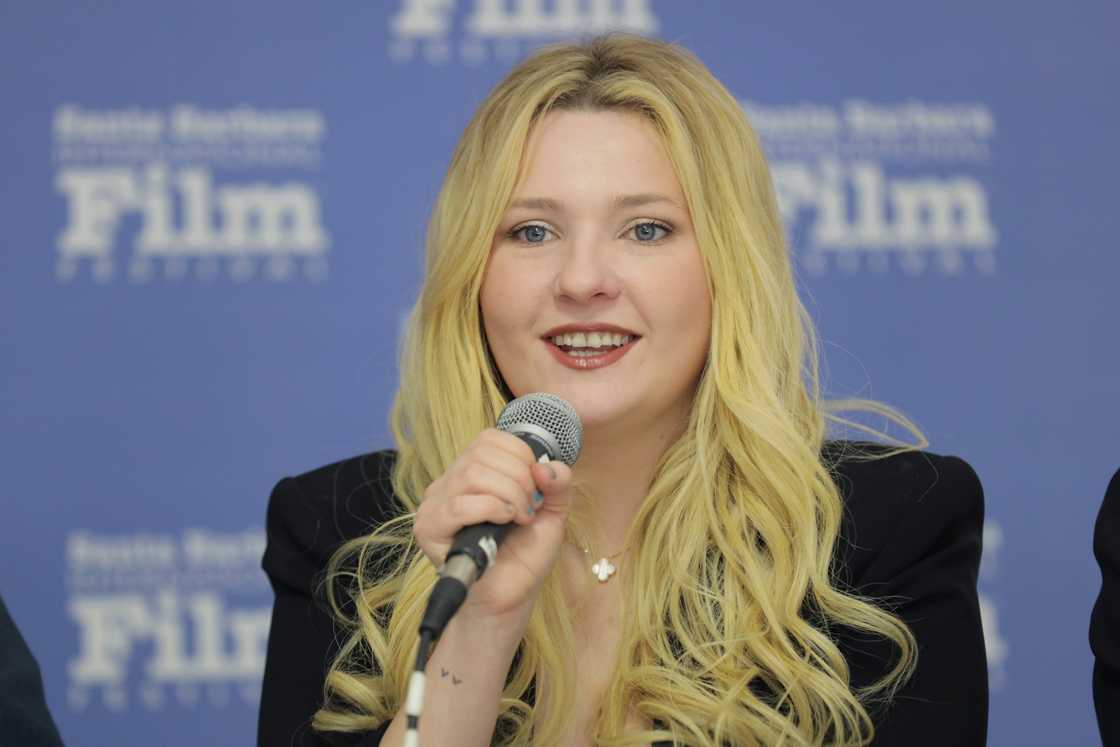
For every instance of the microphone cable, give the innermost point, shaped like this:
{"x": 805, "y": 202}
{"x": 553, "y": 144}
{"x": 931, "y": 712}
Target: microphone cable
{"x": 457, "y": 574}
{"x": 414, "y": 702}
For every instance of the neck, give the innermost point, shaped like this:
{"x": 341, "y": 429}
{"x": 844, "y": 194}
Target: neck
{"x": 617, "y": 467}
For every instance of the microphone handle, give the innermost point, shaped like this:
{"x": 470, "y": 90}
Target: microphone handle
{"x": 480, "y": 543}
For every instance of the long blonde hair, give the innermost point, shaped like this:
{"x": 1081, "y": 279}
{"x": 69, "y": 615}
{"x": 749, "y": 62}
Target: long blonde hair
{"x": 733, "y": 591}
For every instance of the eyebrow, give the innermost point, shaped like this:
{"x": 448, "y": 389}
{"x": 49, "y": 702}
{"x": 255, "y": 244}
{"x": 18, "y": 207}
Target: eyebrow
{"x": 619, "y": 202}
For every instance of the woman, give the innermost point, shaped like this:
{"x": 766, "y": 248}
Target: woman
{"x": 711, "y": 571}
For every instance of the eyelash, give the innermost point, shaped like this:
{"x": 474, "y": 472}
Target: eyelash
{"x": 516, "y": 230}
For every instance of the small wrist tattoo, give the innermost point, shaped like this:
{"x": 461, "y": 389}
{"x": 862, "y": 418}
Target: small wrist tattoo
{"x": 445, "y": 672}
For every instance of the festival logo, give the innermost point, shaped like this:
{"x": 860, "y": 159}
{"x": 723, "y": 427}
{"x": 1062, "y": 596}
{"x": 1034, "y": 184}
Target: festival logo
{"x": 167, "y": 620}
{"x": 880, "y": 184}
{"x": 439, "y": 30}
{"x": 213, "y": 192}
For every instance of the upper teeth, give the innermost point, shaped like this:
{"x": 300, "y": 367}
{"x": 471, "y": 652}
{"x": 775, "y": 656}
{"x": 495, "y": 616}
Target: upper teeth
{"x": 590, "y": 340}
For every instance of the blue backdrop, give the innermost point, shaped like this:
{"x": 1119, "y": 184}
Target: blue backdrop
{"x": 208, "y": 207}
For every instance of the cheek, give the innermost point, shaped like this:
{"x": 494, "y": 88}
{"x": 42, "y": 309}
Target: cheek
{"x": 684, "y": 292}
{"x": 504, "y": 304}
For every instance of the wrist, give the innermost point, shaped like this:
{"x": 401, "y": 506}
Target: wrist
{"x": 508, "y": 627}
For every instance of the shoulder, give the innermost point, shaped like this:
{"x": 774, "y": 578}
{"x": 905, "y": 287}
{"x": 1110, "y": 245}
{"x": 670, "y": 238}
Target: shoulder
{"x": 23, "y": 709}
{"x": 310, "y": 515}
{"x": 911, "y": 539}
{"x": 1104, "y": 623}
{"x": 1107, "y": 529}
{"x": 900, "y": 508}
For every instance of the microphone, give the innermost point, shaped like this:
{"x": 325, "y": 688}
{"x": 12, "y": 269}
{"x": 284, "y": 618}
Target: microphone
{"x": 552, "y": 429}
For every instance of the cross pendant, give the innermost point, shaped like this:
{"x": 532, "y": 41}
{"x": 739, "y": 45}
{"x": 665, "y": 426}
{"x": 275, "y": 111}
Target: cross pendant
{"x": 603, "y": 570}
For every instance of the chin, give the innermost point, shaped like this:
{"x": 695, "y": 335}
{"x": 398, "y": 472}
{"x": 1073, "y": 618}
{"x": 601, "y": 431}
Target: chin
{"x": 599, "y": 407}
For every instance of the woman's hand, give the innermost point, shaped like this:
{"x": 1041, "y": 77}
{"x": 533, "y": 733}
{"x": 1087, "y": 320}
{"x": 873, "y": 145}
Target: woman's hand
{"x": 495, "y": 480}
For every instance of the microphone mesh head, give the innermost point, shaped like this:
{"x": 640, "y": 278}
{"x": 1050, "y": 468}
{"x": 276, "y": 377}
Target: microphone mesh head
{"x": 553, "y": 415}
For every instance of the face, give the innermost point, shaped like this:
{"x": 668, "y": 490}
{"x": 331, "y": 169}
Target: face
{"x": 597, "y": 248}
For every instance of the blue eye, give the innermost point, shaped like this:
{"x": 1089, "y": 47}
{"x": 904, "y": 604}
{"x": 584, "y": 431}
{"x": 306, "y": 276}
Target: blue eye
{"x": 530, "y": 234}
{"x": 647, "y": 232}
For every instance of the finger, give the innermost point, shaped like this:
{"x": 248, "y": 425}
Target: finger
{"x": 553, "y": 480}
{"x": 479, "y": 478}
{"x": 464, "y": 510}
{"x": 506, "y": 463}
{"x": 551, "y": 477}
{"x": 509, "y": 443}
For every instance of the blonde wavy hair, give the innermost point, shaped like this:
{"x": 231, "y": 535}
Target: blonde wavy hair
{"x": 735, "y": 586}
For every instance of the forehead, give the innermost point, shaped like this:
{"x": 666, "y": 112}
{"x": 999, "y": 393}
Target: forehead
{"x": 581, "y": 152}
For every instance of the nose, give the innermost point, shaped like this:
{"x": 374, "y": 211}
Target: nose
{"x": 586, "y": 272}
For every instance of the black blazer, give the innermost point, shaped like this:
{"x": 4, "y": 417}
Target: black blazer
{"x": 24, "y": 718}
{"x": 912, "y": 532}
{"x": 1104, "y": 626}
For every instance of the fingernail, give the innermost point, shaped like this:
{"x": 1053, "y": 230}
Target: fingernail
{"x": 537, "y": 497}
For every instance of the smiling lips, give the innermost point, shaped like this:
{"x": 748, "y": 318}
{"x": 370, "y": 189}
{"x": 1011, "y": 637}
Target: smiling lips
{"x": 585, "y": 347}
